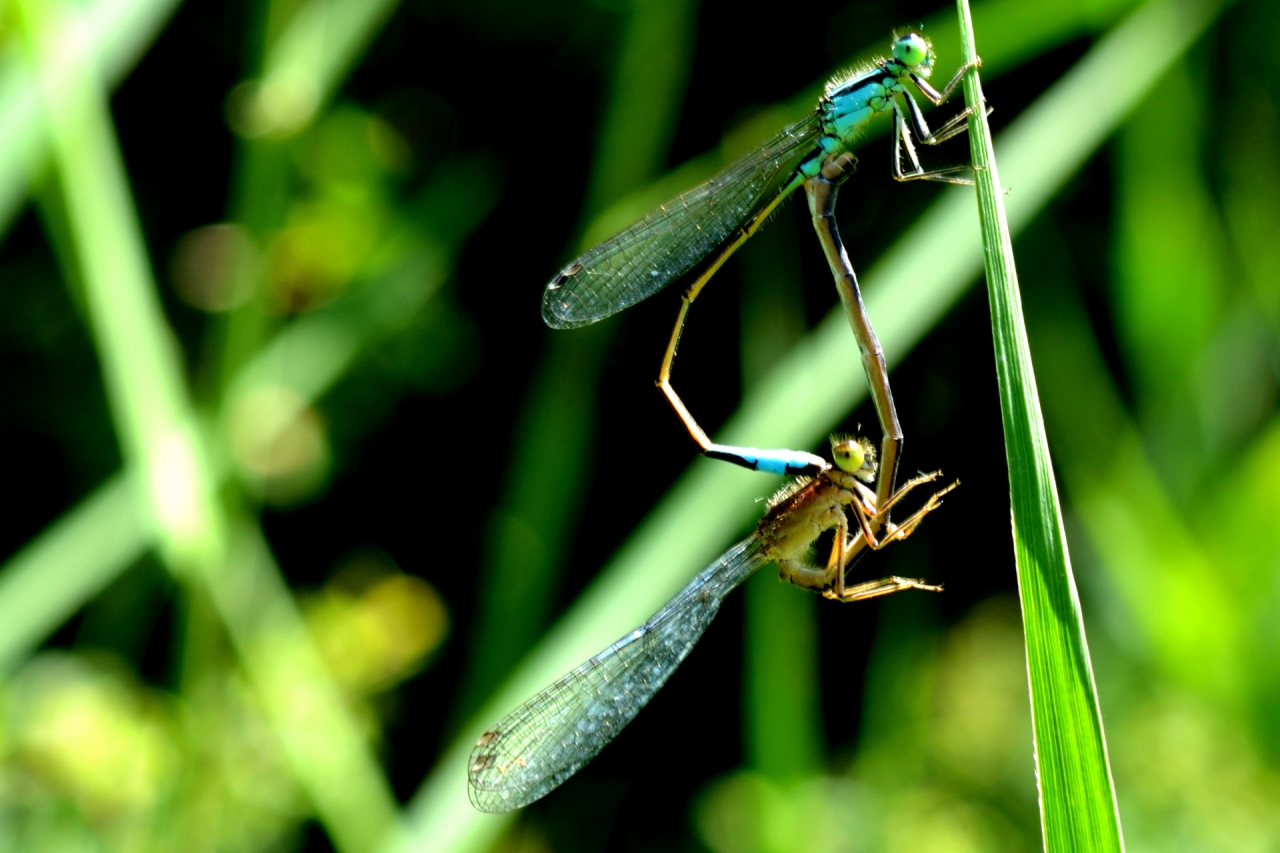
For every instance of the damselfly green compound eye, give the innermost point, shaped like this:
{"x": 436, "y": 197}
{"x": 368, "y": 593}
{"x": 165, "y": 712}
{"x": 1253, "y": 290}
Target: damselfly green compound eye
{"x": 911, "y": 50}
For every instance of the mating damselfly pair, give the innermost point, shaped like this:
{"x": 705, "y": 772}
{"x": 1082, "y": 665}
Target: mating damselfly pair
{"x": 550, "y": 737}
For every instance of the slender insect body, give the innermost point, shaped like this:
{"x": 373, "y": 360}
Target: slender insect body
{"x": 551, "y": 736}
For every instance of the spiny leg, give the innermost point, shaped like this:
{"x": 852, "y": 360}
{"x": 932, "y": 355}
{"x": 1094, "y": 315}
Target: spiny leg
{"x": 902, "y": 141}
{"x": 939, "y": 98}
{"x": 954, "y": 126}
{"x": 906, "y": 488}
{"x": 837, "y": 561}
{"x": 831, "y": 580}
{"x": 821, "y": 191}
{"x": 902, "y": 531}
{"x": 865, "y": 510}
{"x": 896, "y": 533}
{"x": 837, "y": 591}
{"x": 790, "y": 462}
{"x": 835, "y": 588}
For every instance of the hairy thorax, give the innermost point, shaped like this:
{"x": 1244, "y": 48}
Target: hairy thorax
{"x": 802, "y": 511}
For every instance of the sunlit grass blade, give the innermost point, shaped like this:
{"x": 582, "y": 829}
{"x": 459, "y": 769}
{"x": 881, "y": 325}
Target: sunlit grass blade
{"x": 811, "y": 390}
{"x": 77, "y": 558}
{"x": 1078, "y": 807}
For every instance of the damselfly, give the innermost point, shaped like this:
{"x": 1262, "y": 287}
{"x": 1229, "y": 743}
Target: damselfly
{"x": 550, "y": 737}
{"x": 727, "y": 210}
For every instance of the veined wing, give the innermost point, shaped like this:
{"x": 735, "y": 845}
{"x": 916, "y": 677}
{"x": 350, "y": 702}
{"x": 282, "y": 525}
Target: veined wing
{"x": 546, "y": 740}
{"x": 648, "y": 255}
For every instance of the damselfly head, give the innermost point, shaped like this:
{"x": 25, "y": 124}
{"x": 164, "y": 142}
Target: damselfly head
{"x": 854, "y": 455}
{"x": 914, "y": 51}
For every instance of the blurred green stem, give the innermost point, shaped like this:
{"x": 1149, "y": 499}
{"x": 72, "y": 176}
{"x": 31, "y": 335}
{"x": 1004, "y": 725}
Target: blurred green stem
{"x": 782, "y": 712}
{"x": 78, "y": 556}
{"x": 300, "y": 68}
{"x": 139, "y": 356}
{"x": 1168, "y": 230}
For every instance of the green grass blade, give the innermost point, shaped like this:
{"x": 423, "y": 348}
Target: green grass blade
{"x": 1078, "y": 809}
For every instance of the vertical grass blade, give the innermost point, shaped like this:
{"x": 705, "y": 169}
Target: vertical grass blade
{"x": 1078, "y": 810}
{"x": 781, "y": 697}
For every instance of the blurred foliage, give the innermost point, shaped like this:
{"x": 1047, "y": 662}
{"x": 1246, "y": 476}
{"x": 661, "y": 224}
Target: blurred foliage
{"x": 377, "y": 479}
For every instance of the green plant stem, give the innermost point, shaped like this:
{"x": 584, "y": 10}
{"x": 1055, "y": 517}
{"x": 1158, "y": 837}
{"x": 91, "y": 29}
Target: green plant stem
{"x": 1078, "y": 807}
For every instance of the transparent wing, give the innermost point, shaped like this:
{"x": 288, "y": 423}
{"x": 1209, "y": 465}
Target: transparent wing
{"x": 647, "y": 256}
{"x": 557, "y": 732}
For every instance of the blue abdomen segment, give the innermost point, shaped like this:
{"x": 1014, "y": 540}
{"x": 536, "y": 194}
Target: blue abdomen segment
{"x": 786, "y": 462}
